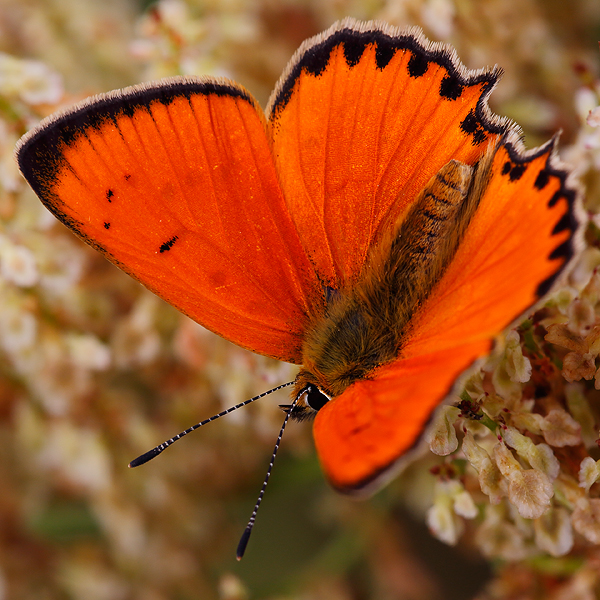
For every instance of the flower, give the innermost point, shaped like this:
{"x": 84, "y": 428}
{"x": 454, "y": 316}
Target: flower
{"x": 586, "y": 519}
{"x": 530, "y": 491}
{"x": 593, "y": 118}
{"x": 553, "y": 532}
{"x": 441, "y": 436}
{"x": 490, "y": 478}
{"x": 589, "y": 473}
{"x": 29, "y": 80}
{"x": 17, "y": 264}
{"x": 498, "y": 537}
{"x": 451, "y": 501}
{"x": 512, "y": 369}
{"x": 561, "y": 429}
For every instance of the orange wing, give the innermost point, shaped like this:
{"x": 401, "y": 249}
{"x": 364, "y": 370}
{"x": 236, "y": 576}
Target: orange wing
{"x": 361, "y": 120}
{"x": 522, "y": 237}
{"x": 175, "y": 183}
{"x": 527, "y": 229}
{"x": 362, "y": 435}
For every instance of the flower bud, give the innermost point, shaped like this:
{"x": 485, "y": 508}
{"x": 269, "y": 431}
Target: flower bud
{"x": 530, "y": 491}
{"x": 589, "y": 473}
{"x": 586, "y": 519}
{"x": 441, "y": 435}
{"x": 490, "y": 479}
{"x": 561, "y": 429}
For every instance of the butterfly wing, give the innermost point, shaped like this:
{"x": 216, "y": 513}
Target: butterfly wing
{"x": 525, "y": 233}
{"x": 361, "y": 435}
{"x": 520, "y": 240}
{"x": 361, "y": 120}
{"x": 175, "y": 183}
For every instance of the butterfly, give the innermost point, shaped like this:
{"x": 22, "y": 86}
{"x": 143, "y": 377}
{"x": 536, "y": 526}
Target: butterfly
{"x": 377, "y": 226}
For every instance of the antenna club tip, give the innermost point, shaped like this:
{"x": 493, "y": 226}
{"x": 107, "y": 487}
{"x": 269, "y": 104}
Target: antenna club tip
{"x": 243, "y": 543}
{"x": 144, "y": 458}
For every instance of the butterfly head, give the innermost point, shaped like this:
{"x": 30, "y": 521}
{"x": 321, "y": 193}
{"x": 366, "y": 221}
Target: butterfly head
{"x": 308, "y": 397}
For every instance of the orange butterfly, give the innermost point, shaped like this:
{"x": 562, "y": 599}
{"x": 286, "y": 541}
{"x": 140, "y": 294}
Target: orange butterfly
{"x": 379, "y": 226}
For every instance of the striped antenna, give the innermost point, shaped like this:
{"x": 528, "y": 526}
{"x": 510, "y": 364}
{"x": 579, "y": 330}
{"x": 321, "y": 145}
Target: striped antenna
{"x": 246, "y": 535}
{"x": 144, "y": 458}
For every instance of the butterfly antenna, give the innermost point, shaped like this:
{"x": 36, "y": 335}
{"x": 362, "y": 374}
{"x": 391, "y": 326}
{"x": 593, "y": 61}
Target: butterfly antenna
{"x": 144, "y": 458}
{"x": 246, "y": 535}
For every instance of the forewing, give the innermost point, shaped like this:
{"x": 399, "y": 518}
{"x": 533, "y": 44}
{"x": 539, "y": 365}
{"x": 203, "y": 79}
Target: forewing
{"x": 175, "y": 183}
{"x": 361, "y": 120}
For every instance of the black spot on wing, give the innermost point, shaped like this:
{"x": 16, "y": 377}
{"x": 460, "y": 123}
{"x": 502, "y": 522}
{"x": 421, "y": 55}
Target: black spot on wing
{"x": 561, "y": 251}
{"x": 517, "y": 172}
{"x": 555, "y": 198}
{"x": 109, "y": 195}
{"x": 479, "y": 137}
{"x": 383, "y": 55}
{"x": 168, "y": 244}
{"x": 353, "y": 52}
{"x": 452, "y": 87}
{"x": 106, "y": 225}
{"x": 417, "y": 65}
{"x": 565, "y": 222}
{"x": 472, "y": 125}
{"x": 514, "y": 172}
{"x": 541, "y": 180}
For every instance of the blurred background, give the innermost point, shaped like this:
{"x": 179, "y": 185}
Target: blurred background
{"x": 95, "y": 370}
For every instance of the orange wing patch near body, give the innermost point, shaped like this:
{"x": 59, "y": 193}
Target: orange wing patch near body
{"x": 361, "y": 120}
{"x": 177, "y": 186}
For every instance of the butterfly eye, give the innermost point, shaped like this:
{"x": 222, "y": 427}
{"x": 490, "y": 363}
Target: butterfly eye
{"x": 315, "y": 398}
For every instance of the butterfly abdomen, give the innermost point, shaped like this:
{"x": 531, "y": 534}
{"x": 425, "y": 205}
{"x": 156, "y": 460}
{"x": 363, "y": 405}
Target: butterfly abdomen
{"x": 365, "y": 326}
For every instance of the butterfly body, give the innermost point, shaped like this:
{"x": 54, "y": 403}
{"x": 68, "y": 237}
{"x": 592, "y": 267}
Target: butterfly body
{"x": 364, "y": 326}
{"x": 378, "y": 225}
